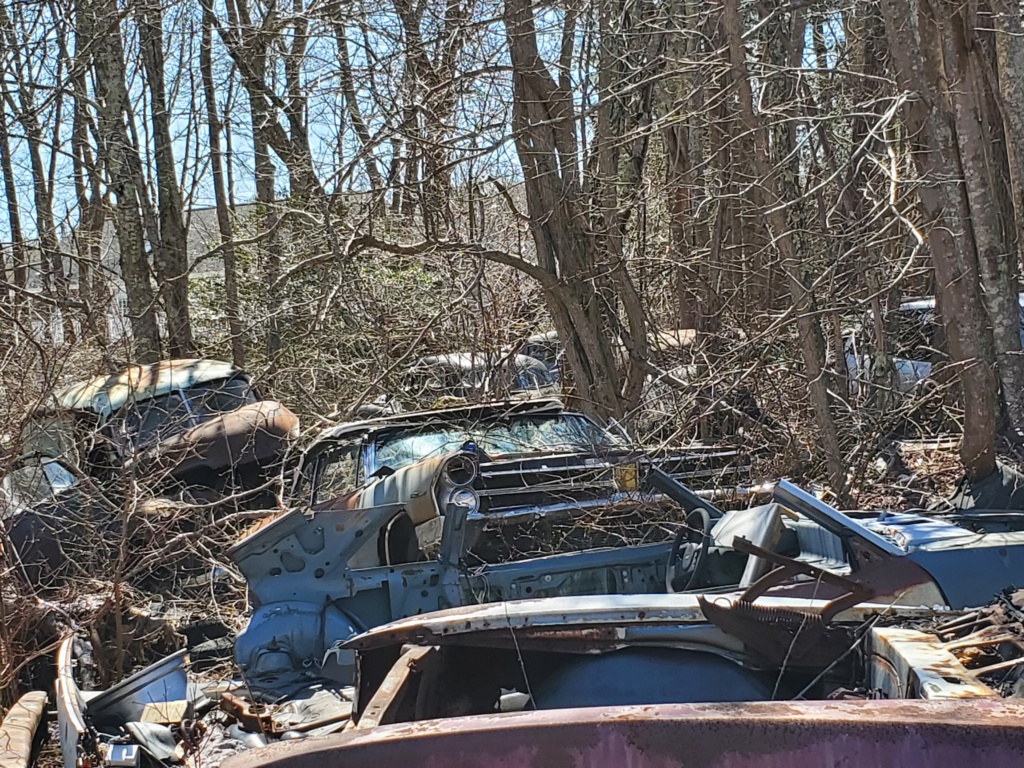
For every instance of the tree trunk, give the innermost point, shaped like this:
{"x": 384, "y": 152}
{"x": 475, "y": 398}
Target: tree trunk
{"x": 91, "y": 284}
{"x": 219, "y": 190}
{"x": 249, "y": 51}
{"x": 19, "y": 263}
{"x": 991, "y": 217}
{"x": 100, "y": 34}
{"x": 170, "y": 246}
{"x": 55, "y": 282}
{"x": 249, "y": 44}
{"x": 1009, "y": 44}
{"x": 348, "y": 90}
{"x": 302, "y": 178}
{"x": 812, "y": 341}
{"x": 934, "y": 149}
{"x": 543, "y": 120}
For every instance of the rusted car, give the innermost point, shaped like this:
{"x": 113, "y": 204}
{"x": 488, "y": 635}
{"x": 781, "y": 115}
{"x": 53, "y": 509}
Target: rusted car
{"x": 188, "y": 422}
{"x": 405, "y": 514}
{"x": 152, "y": 437}
{"x": 475, "y": 378}
{"x": 650, "y": 681}
{"x": 436, "y": 514}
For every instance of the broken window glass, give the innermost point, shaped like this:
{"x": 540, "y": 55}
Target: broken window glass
{"x": 565, "y": 433}
{"x": 218, "y": 397}
{"x": 31, "y": 483}
{"x": 153, "y": 420}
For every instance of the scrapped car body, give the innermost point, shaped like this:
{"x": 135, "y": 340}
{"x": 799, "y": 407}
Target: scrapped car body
{"x": 33, "y": 480}
{"x": 322, "y": 575}
{"x": 650, "y": 681}
{"x": 918, "y": 345}
{"x": 155, "y": 439}
{"x": 200, "y": 422}
{"x": 475, "y": 377}
{"x": 633, "y": 650}
{"x": 897, "y": 734}
{"x": 408, "y": 514}
{"x": 540, "y": 457}
{"x": 668, "y": 347}
{"x": 546, "y": 348}
{"x": 545, "y": 673}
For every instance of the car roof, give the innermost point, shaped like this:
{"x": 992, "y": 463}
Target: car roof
{"x": 468, "y": 361}
{"x": 105, "y": 394}
{"x": 543, "y": 338}
{"x": 547, "y": 405}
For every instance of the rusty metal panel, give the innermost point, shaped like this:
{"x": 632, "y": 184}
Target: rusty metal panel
{"x": 593, "y": 611}
{"x": 905, "y": 663}
{"x": 20, "y": 730}
{"x": 864, "y": 734}
{"x": 393, "y": 689}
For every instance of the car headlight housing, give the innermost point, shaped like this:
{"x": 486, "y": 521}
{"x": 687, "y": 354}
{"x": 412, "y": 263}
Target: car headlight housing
{"x": 460, "y": 470}
{"x": 464, "y": 499}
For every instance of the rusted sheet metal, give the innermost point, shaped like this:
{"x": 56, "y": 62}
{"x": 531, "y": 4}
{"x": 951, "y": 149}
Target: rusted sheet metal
{"x": 388, "y": 697}
{"x": 70, "y": 706}
{"x": 254, "y": 716}
{"x": 252, "y": 433}
{"x": 776, "y": 634}
{"x": 591, "y": 611}
{"x": 864, "y": 734}
{"x": 905, "y": 663}
{"x": 19, "y": 732}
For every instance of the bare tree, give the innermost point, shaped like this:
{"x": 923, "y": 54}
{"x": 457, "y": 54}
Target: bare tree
{"x": 167, "y": 239}
{"x": 219, "y": 188}
{"x": 915, "y": 48}
{"x": 99, "y": 37}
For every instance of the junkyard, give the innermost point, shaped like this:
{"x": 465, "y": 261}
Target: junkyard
{"x": 496, "y": 580}
{"x": 511, "y": 383}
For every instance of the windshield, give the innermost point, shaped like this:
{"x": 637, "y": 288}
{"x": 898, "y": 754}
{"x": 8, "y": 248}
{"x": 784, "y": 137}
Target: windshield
{"x": 534, "y": 377}
{"x": 517, "y": 435}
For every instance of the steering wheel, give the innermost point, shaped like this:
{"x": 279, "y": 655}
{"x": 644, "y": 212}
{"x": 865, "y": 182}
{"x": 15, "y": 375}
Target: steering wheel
{"x": 686, "y": 565}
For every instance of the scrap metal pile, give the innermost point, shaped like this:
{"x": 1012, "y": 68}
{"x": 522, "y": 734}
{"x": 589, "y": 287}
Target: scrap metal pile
{"x": 544, "y": 656}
